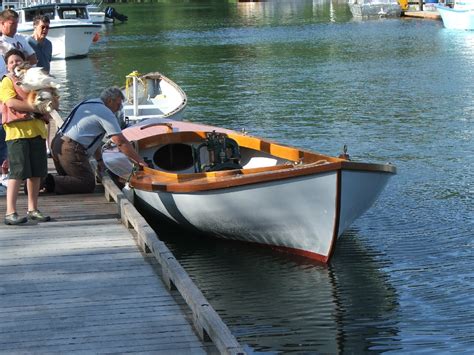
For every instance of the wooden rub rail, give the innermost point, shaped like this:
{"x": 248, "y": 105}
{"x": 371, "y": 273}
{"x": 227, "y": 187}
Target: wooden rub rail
{"x": 206, "y": 320}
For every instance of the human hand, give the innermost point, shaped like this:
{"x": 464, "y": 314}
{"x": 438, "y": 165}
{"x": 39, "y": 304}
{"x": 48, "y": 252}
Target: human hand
{"x": 43, "y": 107}
{"x": 143, "y": 164}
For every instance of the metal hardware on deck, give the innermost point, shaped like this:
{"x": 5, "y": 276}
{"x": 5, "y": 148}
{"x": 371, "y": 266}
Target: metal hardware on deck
{"x": 344, "y": 154}
{"x": 169, "y": 125}
{"x": 134, "y": 76}
{"x": 224, "y": 153}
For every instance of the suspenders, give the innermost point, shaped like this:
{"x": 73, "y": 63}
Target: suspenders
{"x": 71, "y": 115}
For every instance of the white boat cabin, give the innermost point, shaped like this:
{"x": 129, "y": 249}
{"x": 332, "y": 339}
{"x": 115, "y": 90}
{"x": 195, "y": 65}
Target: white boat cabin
{"x": 54, "y": 10}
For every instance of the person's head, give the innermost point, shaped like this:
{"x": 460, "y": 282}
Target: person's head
{"x": 13, "y": 58}
{"x": 112, "y": 98}
{"x": 41, "y": 27}
{"x": 9, "y": 22}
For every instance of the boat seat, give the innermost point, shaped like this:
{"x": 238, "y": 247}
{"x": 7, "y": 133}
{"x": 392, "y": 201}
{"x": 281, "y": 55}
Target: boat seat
{"x": 260, "y": 162}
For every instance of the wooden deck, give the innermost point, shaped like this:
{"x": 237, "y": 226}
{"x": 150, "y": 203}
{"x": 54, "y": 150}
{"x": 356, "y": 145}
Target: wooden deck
{"x": 80, "y": 284}
{"x": 431, "y": 15}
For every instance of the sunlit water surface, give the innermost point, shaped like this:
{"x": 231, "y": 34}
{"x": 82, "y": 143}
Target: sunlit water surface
{"x": 306, "y": 74}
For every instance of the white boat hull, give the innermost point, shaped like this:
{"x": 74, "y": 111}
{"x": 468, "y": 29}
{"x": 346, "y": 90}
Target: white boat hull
{"x": 152, "y": 97}
{"x": 303, "y": 215}
{"x": 456, "y": 19}
{"x": 68, "y": 40}
{"x": 97, "y": 17}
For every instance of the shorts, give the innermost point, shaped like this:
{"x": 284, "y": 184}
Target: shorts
{"x": 27, "y": 158}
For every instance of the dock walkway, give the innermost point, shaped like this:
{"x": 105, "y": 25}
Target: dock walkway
{"x": 80, "y": 284}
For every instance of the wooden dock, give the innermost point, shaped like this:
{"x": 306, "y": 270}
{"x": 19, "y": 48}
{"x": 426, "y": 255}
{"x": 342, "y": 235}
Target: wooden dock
{"x": 96, "y": 279}
{"x": 430, "y": 15}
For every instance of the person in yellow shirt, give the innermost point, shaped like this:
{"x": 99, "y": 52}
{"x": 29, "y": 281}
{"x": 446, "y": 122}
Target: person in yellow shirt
{"x": 25, "y": 129}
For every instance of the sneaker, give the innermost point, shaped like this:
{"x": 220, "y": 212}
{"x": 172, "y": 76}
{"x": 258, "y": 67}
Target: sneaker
{"x": 13, "y": 219}
{"x": 4, "y": 180}
{"x": 36, "y": 215}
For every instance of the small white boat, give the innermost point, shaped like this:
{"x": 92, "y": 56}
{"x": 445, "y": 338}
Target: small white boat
{"x": 98, "y": 14}
{"x": 151, "y": 96}
{"x": 374, "y": 8}
{"x": 236, "y": 186}
{"x": 71, "y": 30}
{"x": 459, "y": 17}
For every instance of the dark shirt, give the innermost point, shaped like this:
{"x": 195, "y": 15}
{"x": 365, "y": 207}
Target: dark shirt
{"x": 43, "y": 50}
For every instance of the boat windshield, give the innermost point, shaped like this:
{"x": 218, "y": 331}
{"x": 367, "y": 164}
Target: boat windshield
{"x": 73, "y": 13}
{"x": 64, "y": 12}
{"x": 30, "y": 14}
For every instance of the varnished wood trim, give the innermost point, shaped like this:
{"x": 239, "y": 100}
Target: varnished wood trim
{"x": 183, "y": 183}
{"x": 301, "y": 163}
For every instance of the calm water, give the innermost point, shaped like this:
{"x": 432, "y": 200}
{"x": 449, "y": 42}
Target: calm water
{"x": 306, "y": 74}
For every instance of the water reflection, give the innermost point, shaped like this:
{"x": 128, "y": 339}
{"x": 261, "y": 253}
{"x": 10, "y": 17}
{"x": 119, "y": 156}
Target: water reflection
{"x": 276, "y": 302}
{"x": 71, "y": 75}
{"x": 288, "y": 11}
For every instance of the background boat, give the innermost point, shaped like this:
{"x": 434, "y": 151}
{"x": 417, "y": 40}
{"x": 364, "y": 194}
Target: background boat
{"x": 99, "y": 14}
{"x": 374, "y": 9}
{"x": 459, "y": 17}
{"x": 151, "y": 96}
{"x": 71, "y": 30}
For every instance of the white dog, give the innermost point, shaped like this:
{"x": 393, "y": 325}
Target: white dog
{"x": 42, "y": 87}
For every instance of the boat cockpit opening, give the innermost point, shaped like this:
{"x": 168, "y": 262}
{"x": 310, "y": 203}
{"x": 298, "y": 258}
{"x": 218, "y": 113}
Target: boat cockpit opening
{"x": 216, "y": 152}
{"x": 174, "y": 157}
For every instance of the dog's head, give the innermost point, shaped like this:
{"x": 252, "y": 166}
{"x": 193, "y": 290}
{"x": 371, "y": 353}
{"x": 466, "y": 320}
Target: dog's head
{"x": 20, "y": 70}
{"x": 34, "y": 78}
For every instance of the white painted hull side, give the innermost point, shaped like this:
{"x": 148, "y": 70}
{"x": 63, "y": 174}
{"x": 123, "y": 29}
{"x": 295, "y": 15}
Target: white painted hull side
{"x": 69, "y": 41}
{"x": 278, "y": 213}
{"x": 456, "y": 19}
{"x": 359, "y": 190}
{"x": 299, "y": 214}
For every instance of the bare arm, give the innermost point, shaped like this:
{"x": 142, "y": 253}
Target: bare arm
{"x": 126, "y": 147}
{"x": 32, "y": 59}
{"x": 20, "y": 105}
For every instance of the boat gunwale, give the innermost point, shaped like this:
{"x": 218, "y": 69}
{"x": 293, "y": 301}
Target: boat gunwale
{"x": 150, "y": 179}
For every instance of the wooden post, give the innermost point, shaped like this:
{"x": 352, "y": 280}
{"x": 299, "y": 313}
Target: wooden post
{"x": 420, "y": 2}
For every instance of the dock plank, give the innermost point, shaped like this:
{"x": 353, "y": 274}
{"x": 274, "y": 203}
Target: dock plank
{"x": 79, "y": 284}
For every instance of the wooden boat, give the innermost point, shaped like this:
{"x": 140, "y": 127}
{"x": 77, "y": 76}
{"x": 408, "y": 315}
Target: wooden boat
{"x": 236, "y": 186}
{"x": 152, "y": 96}
{"x": 459, "y": 17}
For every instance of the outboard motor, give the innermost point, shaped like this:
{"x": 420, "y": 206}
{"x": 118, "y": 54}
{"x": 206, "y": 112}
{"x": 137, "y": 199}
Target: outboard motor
{"x": 110, "y": 12}
{"x": 223, "y": 153}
